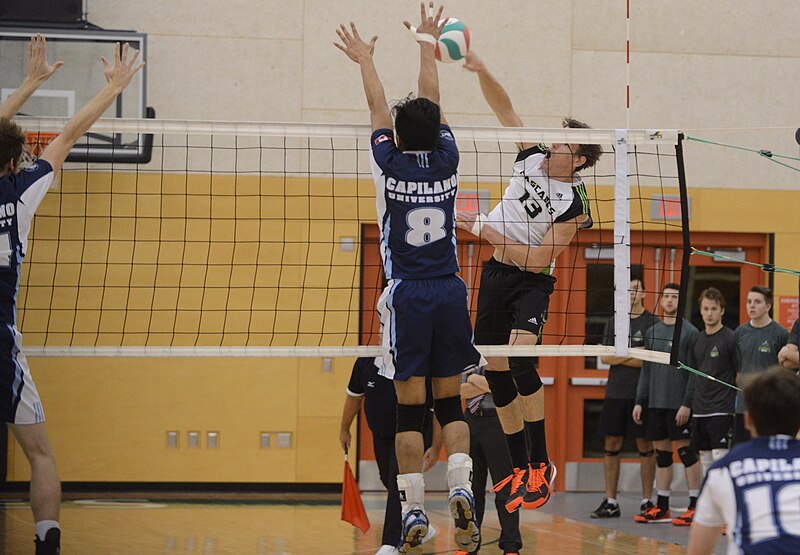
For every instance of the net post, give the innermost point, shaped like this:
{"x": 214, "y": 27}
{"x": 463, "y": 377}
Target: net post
{"x": 687, "y": 251}
{"x": 622, "y": 241}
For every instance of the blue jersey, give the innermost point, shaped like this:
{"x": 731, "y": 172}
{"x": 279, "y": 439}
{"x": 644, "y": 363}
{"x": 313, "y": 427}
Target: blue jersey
{"x": 416, "y": 195}
{"x": 755, "y": 491}
{"x": 20, "y": 195}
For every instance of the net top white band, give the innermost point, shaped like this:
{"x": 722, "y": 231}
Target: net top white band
{"x": 333, "y": 130}
{"x": 318, "y": 352}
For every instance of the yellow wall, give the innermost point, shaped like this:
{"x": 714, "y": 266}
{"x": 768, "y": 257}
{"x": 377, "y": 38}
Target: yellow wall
{"x": 108, "y": 417}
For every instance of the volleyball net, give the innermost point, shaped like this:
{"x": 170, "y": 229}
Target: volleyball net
{"x": 247, "y": 239}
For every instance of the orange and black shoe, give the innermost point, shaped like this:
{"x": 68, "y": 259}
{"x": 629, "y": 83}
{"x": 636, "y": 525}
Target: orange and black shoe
{"x": 655, "y": 514}
{"x": 685, "y": 519}
{"x": 538, "y": 485}
{"x": 517, "y": 478}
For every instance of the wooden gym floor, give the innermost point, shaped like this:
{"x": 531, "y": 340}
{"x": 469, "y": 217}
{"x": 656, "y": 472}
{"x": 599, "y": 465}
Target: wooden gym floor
{"x": 284, "y": 524}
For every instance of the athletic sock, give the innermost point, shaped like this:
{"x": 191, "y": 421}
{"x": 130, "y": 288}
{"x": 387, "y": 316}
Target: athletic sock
{"x": 538, "y": 442}
{"x": 518, "y": 449}
{"x": 693, "y": 493}
{"x": 612, "y": 501}
{"x": 43, "y": 526}
{"x": 663, "y": 500}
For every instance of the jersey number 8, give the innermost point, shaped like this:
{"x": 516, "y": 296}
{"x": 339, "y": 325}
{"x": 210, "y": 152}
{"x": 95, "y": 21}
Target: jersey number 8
{"x": 425, "y": 225}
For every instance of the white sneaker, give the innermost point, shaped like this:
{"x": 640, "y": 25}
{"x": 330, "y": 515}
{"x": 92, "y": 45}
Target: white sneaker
{"x": 432, "y": 531}
{"x": 388, "y": 550}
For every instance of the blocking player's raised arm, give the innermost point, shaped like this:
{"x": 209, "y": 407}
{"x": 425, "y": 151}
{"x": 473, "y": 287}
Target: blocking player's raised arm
{"x": 361, "y": 53}
{"x": 39, "y": 71}
{"x": 118, "y": 76}
{"x": 427, "y": 34}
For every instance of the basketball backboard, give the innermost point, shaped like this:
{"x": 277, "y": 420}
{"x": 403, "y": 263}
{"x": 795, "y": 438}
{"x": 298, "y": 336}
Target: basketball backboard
{"x": 76, "y": 83}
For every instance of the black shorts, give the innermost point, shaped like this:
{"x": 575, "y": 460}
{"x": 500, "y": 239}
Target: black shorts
{"x": 661, "y": 425}
{"x": 712, "y": 432}
{"x": 616, "y": 419}
{"x": 510, "y": 299}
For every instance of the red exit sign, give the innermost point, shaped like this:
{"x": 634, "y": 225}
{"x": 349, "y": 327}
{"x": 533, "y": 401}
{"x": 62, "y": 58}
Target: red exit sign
{"x": 667, "y": 207}
{"x": 473, "y": 201}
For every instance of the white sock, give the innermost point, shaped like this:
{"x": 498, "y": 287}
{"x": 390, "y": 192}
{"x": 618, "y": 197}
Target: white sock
{"x": 612, "y": 501}
{"x": 459, "y": 472}
{"x": 412, "y": 491}
{"x": 663, "y": 493}
{"x": 694, "y": 493}
{"x": 644, "y": 500}
{"x": 43, "y": 526}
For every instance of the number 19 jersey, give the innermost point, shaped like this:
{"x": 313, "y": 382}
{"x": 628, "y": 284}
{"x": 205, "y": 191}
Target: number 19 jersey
{"x": 415, "y": 196}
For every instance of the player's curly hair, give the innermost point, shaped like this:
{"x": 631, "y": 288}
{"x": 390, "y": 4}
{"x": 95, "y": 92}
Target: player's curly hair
{"x": 12, "y": 142}
{"x": 417, "y": 122}
{"x": 591, "y": 152}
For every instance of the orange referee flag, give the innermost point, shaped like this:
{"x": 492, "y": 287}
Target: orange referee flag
{"x": 352, "y": 507}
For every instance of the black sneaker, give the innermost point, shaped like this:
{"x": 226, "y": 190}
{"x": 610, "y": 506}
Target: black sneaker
{"x": 51, "y": 545}
{"x": 646, "y": 506}
{"x": 607, "y": 510}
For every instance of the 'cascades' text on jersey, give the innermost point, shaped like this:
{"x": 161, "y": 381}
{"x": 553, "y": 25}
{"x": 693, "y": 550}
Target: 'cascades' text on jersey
{"x": 533, "y": 202}
{"x": 416, "y": 195}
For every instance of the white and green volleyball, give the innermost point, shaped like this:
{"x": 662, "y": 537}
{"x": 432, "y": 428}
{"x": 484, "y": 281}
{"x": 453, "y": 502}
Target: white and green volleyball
{"x": 453, "y": 43}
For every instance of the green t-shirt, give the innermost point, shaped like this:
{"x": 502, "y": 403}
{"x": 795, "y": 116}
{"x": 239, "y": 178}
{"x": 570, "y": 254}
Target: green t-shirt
{"x": 758, "y": 350}
{"x": 662, "y": 386}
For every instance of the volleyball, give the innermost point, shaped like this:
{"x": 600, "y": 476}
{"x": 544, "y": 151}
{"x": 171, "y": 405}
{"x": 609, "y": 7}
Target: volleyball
{"x": 453, "y": 43}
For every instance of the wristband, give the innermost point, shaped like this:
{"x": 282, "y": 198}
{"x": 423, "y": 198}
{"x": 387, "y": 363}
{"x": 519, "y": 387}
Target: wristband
{"x": 422, "y": 37}
{"x": 479, "y": 223}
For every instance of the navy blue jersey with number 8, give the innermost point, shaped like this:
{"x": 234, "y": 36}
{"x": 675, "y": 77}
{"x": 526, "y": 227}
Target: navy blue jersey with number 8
{"x": 416, "y": 195}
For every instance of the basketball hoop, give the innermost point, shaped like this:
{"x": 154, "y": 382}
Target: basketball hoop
{"x": 37, "y": 141}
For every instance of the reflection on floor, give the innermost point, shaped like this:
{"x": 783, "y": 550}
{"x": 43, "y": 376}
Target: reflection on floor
{"x": 275, "y": 526}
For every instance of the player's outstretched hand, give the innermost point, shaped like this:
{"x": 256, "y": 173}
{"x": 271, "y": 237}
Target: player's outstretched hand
{"x": 38, "y": 68}
{"x": 352, "y": 44}
{"x": 120, "y": 74}
{"x": 473, "y": 63}
{"x": 429, "y": 24}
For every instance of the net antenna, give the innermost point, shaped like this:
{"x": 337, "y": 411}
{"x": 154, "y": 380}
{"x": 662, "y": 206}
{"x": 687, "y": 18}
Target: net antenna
{"x": 260, "y": 239}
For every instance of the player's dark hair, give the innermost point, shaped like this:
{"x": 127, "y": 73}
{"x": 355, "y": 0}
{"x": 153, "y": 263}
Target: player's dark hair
{"x": 639, "y": 278}
{"x": 764, "y": 290}
{"x": 12, "y": 142}
{"x": 773, "y": 401}
{"x": 712, "y": 294}
{"x": 591, "y": 152}
{"x": 674, "y": 286}
{"x": 417, "y": 122}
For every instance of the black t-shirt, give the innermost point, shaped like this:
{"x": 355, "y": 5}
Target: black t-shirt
{"x": 380, "y": 399}
{"x": 716, "y": 355}
{"x": 622, "y": 380}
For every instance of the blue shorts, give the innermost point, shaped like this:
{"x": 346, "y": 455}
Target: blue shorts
{"x": 425, "y": 328}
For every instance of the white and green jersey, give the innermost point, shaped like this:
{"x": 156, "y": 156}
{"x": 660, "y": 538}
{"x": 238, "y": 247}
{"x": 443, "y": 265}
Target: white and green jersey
{"x": 533, "y": 202}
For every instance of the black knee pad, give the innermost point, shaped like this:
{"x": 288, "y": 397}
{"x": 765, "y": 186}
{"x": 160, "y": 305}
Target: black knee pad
{"x": 688, "y": 456}
{"x": 411, "y": 418}
{"x": 523, "y": 369}
{"x": 613, "y": 453}
{"x": 646, "y": 453}
{"x": 448, "y": 410}
{"x": 663, "y": 458}
{"x": 503, "y": 388}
